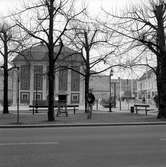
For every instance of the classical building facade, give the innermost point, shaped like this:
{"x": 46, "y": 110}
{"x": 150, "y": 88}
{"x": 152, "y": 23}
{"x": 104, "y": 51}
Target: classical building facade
{"x": 33, "y": 78}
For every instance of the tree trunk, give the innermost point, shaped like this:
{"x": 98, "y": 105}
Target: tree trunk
{"x": 5, "y": 94}
{"x": 162, "y": 90}
{"x": 51, "y": 76}
{"x": 5, "y": 97}
{"x": 87, "y": 71}
{"x": 86, "y": 93}
{"x": 161, "y": 59}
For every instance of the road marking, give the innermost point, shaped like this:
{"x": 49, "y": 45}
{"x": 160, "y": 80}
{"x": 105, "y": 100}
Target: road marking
{"x": 162, "y": 139}
{"x": 28, "y": 143}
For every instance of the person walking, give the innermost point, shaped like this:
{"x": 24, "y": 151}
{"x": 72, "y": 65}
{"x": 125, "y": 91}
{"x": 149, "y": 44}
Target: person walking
{"x": 91, "y": 100}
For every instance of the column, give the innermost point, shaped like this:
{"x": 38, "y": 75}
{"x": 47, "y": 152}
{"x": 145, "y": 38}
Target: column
{"x": 14, "y": 78}
{"x": 56, "y": 90}
{"x": 31, "y": 82}
{"x": 69, "y": 87}
{"x": 44, "y": 82}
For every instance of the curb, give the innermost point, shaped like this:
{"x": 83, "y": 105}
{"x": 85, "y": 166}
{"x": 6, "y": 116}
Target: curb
{"x": 82, "y": 125}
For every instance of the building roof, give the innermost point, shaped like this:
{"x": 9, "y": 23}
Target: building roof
{"x": 40, "y": 53}
{"x": 146, "y": 75}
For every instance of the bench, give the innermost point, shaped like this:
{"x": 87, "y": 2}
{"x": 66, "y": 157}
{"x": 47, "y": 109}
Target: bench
{"x": 62, "y": 107}
{"x": 141, "y": 107}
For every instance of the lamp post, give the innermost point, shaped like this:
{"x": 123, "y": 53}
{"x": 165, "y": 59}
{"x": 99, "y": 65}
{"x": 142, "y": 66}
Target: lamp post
{"x": 36, "y": 92}
{"x": 18, "y": 92}
{"x": 110, "y": 103}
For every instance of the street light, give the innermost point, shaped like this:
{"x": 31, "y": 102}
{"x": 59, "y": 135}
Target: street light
{"x": 18, "y": 92}
{"x": 110, "y": 103}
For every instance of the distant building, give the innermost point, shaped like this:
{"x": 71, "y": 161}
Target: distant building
{"x": 147, "y": 85}
{"x": 33, "y": 70}
{"x": 101, "y": 87}
{"x": 128, "y": 88}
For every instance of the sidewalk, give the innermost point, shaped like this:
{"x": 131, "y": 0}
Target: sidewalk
{"x": 99, "y": 117}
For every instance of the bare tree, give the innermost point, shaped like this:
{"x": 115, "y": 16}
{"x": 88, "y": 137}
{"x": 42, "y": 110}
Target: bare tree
{"x": 92, "y": 41}
{"x": 48, "y": 23}
{"x": 5, "y": 36}
{"x": 11, "y": 42}
{"x": 144, "y": 28}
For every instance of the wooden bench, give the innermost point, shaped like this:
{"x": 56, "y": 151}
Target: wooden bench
{"x": 62, "y": 107}
{"x": 141, "y": 107}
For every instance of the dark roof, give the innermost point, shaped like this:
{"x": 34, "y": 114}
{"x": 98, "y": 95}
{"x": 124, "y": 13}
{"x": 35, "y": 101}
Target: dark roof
{"x": 40, "y": 53}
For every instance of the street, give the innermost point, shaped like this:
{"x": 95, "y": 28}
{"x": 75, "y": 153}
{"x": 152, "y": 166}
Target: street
{"x": 116, "y": 146}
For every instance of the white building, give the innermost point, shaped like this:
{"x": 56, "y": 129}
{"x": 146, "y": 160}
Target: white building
{"x": 147, "y": 85}
{"x": 33, "y": 70}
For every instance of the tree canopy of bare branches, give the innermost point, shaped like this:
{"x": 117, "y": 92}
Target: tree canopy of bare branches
{"x": 144, "y": 28}
{"x": 11, "y": 42}
{"x": 48, "y": 22}
{"x": 91, "y": 39}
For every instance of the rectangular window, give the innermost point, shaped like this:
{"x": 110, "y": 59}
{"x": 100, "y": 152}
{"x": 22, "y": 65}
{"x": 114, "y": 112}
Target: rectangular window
{"x": 37, "y": 96}
{"x": 75, "y": 79}
{"x": 63, "y": 75}
{"x": 75, "y": 98}
{"x": 38, "y": 77}
{"x": 25, "y": 77}
{"x": 25, "y": 97}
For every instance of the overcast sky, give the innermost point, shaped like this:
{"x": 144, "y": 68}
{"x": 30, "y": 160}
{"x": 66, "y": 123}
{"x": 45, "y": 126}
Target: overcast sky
{"x": 94, "y": 5}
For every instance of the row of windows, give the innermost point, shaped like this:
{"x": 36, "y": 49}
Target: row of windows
{"x": 150, "y": 84}
{"x": 38, "y": 78}
{"x": 25, "y": 77}
{"x": 25, "y": 97}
